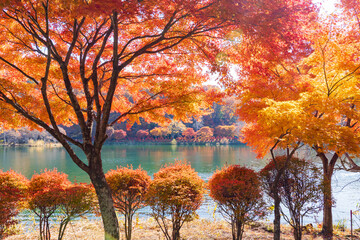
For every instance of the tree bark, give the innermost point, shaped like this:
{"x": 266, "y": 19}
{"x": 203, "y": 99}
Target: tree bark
{"x": 103, "y": 192}
{"x": 297, "y": 230}
{"x": 176, "y": 230}
{"x": 277, "y": 216}
{"x": 237, "y": 228}
{"x": 128, "y": 225}
{"x": 328, "y": 169}
{"x": 327, "y": 210}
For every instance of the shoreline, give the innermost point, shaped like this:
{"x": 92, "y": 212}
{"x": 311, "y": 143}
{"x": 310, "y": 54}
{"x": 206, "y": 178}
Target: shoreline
{"x": 199, "y": 229}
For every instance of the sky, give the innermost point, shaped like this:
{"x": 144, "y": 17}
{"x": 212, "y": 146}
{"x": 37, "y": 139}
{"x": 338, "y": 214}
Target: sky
{"x": 327, "y": 7}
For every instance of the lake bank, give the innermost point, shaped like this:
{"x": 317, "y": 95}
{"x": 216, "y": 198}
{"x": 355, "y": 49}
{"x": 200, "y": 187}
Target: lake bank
{"x": 199, "y": 229}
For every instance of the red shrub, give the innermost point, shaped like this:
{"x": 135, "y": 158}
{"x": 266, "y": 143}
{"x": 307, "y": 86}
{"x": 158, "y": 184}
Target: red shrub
{"x": 51, "y": 191}
{"x": 237, "y": 191}
{"x": 12, "y": 188}
{"x": 78, "y": 199}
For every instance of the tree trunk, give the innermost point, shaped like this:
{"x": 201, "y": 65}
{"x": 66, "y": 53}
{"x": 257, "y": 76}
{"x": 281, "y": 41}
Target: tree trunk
{"x": 128, "y": 225}
{"x": 176, "y": 230}
{"x": 327, "y": 210}
{"x": 297, "y": 230}
{"x": 237, "y": 228}
{"x": 108, "y": 215}
{"x": 277, "y": 216}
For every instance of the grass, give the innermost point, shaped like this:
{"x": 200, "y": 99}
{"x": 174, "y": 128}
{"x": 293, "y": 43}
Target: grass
{"x": 200, "y": 229}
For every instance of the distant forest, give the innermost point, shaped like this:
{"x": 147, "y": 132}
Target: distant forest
{"x": 219, "y": 125}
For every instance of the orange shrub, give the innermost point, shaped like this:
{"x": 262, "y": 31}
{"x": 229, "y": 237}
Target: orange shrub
{"x": 51, "y": 191}
{"x": 237, "y": 191}
{"x": 128, "y": 187}
{"x": 46, "y": 193}
{"x": 12, "y": 189}
{"x": 176, "y": 191}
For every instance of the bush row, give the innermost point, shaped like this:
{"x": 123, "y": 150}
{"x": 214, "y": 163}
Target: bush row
{"x": 174, "y": 194}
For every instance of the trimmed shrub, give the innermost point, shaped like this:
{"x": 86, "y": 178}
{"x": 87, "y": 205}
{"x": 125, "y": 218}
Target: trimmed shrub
{"x": 51, "y": 192}
{"x": 300, "y": 189}
{"x": 78, "y": 200}
{"x": 177, "y": 192}
{"x": 238, "y": 194}
{"x": 45, "y": 195}
{"x": 12, "y": 192}
{"x": 128, "y": 187}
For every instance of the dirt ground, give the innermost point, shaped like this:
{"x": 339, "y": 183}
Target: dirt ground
{"x": 200, "y": 229}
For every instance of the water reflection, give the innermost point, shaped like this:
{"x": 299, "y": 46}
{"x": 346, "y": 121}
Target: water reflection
{"x": 205, "y": 159}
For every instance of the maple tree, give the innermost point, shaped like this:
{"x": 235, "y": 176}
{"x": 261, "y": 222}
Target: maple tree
{"x": 12, "y": 192}
{"x": 128, "y": 187}
{"x": 76, "y": 61}
{"x": 309, "y": 102}
{"x": 238, "y": 193}
{"x": 176, "y": 191}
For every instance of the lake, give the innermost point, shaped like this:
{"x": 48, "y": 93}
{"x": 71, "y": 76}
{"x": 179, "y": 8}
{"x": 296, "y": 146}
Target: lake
{"x": 204, "y": 159}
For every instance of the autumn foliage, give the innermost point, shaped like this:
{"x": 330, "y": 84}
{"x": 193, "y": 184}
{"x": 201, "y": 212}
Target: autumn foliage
{"x": 45, "y": 197}
{"x": 128, "y": 187}
{"x": 177, "y": 192}
{"x": 237, "y": 191}
{"x": 78, "y": 199}
{"x": 204, "y": 134}
{"x": 119, "y": 134}
{"x": 12, "y": 192}
{"x": 224, "y": 131}
{"x": 189, "y": 133}
{"x": 50, "y": 192}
